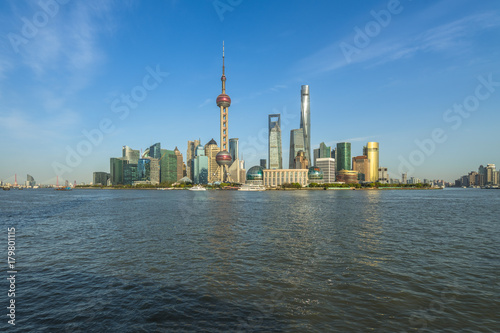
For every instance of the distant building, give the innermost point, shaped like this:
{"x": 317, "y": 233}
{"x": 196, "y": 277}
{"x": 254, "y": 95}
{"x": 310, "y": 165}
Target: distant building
{"x": 296, "y": 145}
{"x": 168, "y": 166}
{"x": 482, "y": 172}
{"x": 211, "y": 150}
{"x": 491, "y": 175}
{"x": 322, "y": 152}
{"x": 278, "y": 177}
{"x": 255, "y": 175}
{"x": 180, "y": 164}
{"x": 333, "y": 154}
{"x": 305, "y": 120}
{"x": 100, "y": 178}
{"x": 275, "y": 158}
{"x": 314, "y": 175}
{"x": 404, "y": 178}
{"x": 479, "y": 181}
{"x": 347, "y": 176}
{"x": 237, "y": 171}
{"x": 116, "y": 170}
{"x": 343, "y": 153}
{"x": 130, "y": 174}
{"x": 327, "y": 165}
{"x": 383, "y": 176}
{"x": 415, "y": 180}
{"x": 155, "y": 151}
{"x": 361, "y": 164}
{"x": 144, "y": 170}
{"x": 371, "y": 152}
{"x": 263, "y": 163}
{"x": 30, "y": 181}
{"x": 191, "y": 148}
{"x": 200, "y": 166}
{"x": 154, "y": 171}
{"x": 130, "y": 155}
{"x": 300, "y": 161}
{"x": 234, "y": 148}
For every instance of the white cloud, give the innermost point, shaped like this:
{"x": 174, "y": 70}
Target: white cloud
{"x": 206, "y": 102}
{"x": 456, "y": 36}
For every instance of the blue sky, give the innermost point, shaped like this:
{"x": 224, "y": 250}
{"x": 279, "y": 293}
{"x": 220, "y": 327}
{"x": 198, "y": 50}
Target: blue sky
{"x": 65, "y": 68}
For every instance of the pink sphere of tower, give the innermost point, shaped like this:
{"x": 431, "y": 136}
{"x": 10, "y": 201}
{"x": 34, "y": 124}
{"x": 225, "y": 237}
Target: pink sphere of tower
{"x": 223, "y": 100}
{"x": 223, "y": 158}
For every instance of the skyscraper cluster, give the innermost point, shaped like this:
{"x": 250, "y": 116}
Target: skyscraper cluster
{"x": 209, "y": 163}
{"x": 484, "y": 176}
{"x": 154, "y": 166}
{"x": 334, "y": 164}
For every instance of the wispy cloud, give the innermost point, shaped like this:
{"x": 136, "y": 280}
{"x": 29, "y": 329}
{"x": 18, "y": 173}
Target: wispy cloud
{"x": 356, "y": 139}
{"x": 273, "y": 89}
{"x": 206, "y": 102}
{"x": 22, "y": 126}
{"x": 60, "y": 60}
{"x": 454, "y": 37}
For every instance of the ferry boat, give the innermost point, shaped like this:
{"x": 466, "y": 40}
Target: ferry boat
{"x": 67, "y": 188}
{"x": 252, "y": 187}
{"x": 197, "y": 188}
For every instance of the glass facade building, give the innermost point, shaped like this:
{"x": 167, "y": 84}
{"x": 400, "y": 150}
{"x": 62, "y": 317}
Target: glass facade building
{"x": 100, "y": 178}
{"x": 200, "y": 166}
{"x": 263, "y": 163}
{"x": 168, "y": 166}
{"x": 275, "y": 157}
{"x": 116, "y": 170}
{"x": 129, "y": 173}
{"x": 144, "y": 169}
{"x": 343, "y": 153}
{"x": 155, "y": 151}
{"x": 322, "y": 152}
{"x": 30, "y": 181}
{"x": 234, "y": 148}
{"x": 305, "y": 120}
{"x": 315, "y": 175}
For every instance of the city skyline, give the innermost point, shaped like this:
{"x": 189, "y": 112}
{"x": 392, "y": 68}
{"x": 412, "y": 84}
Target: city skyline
{"x": 424, "y": 91}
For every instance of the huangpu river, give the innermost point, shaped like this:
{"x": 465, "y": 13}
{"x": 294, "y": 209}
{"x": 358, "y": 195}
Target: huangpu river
{"x": 274, "y": 261}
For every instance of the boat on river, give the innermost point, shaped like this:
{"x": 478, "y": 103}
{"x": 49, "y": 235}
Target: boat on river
{"x": 197, "y": 188}
{"x": 252, "y": 187}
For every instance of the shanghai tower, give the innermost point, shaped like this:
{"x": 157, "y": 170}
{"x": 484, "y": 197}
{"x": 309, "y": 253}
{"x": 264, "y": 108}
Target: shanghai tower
{"x": 305, "y": 121}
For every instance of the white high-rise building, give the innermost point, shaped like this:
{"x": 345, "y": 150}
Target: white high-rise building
{"x": 327, "y": 165}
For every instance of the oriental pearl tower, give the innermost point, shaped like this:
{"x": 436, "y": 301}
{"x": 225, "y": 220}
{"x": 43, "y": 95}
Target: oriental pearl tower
{"x": 223, "y": 158}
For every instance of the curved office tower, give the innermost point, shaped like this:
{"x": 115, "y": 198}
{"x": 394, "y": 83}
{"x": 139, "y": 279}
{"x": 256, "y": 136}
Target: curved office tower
{"x": 371, "y": 151}
{"x": 305, "y": 120}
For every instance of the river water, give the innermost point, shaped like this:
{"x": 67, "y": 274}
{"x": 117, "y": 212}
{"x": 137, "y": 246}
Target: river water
{"x": 274, "y": 261}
